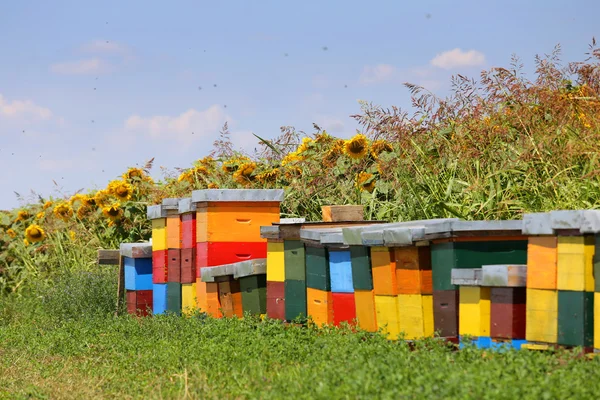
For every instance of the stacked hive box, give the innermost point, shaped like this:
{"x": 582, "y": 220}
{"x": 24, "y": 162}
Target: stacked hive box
{"x": 469, "y": 245}
{"x": 251, "y": 276}
{"x": 173, "y": 230}
{"x": 187, "y": 214}
{"x": 330, "y": 291}
{"x": 228, "y": 225}
{"x": 158, "y": 216}
{"x": 408, "y": 276}
{"x": 137, "y": 264}
{"x": 560, "y": 277}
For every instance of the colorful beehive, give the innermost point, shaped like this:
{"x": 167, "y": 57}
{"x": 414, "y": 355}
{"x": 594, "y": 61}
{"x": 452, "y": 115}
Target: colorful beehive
{"x": 469, "y": 245}
{"x": 560, "y": 280}
{"x": 158, "y": 217}
{"x": 330, "y": 293}
{"x": 228, "y": 225}
{"x": 239, "y": 286}
{"x": 173, "y": 231}
{"x": 137, "y": 264}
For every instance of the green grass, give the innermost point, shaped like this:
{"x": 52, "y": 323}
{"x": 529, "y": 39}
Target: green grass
{"x": 172, "y": 357}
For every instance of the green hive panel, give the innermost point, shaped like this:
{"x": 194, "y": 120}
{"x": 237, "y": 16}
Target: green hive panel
{"x": 362, "y": 277}
{"x": 446, "y": 256}
{"x": 174, "y": 297}
{"x": 317, "y": 269}
{"x": 254, "y": 294}
{"x": 575, "y": 318}
{"x": 295, "y": 299}
{"x": 294, "y": 254}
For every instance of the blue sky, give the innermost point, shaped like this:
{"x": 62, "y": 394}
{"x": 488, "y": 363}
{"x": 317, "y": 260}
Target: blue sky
{"x": 90, "y": 88}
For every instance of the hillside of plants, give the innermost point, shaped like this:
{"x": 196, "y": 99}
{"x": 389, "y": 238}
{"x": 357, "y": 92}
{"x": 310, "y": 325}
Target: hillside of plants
{"x": 496, "y": 147}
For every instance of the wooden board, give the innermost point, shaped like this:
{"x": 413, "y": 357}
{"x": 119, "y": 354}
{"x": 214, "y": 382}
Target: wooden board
{"x": 108, "y": 257}
{"x": 342, "y": 213}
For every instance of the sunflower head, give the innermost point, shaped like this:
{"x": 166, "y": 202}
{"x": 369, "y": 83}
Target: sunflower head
{"x": 34, "y": 233}
{"x": 366, "y": 181}
{"x": 243, "y": 174}
{"x": 113, "y": 211}
{"x": 63, "y": 211}
{"x": 47, "y": 205}
{"x": 101, "y": 197}
{"x": 230, "y": 166}
{"x": 380, "y": 146}
{"x": 11, "y": 232}
{"x": 213, "y": 186}
{"x": 22, "y": 215}
{"x": 268, "y": 176}
{"x": 292, "y": 172}
{"x": 121, "y": 190}
{"x": 40, "y": 215}
{"x": 26, "y": 242}
{"x": 306, "y": 144}
{"x": 78, "y": 198}
{"x": 357, "y": 147}
{"x": 134, "y": 174}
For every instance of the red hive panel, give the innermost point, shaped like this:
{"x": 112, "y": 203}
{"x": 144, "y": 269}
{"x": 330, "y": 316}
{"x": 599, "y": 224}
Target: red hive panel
{"x": 276, "y": 300}
{"x": 159, "y": 266}
{"x": 209, "y": 254}
{"x": 344, "y": 308}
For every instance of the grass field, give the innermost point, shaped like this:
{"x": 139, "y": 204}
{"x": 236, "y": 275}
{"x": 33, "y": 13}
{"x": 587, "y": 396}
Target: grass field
{"x": 48, "y": 349}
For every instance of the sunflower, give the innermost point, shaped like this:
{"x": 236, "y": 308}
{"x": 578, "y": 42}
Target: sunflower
{"x": 334, "y": 152}
{"x": 323, "y": 137}
{"x": 230, "y": 166}
{"x": 112, "y": 212}
{"x": 268, "y": 176}
{"x": 380, "y": 146}
{"x": 22, "y": 216}
{"x": 63, "y": 211}
{"x": 213, "y": 186}
{"x": 83, "y": 211}
{"x": 34, "y": 233}
{"x": 11, "y": 232}
{"x": 47, "y": 205}
{"x": 365, "y": 181}
{"x": 291, "y": 157}
{"x": 26, "y": 242}
{"x": 101, "y": 197}
{"x": 133, "y": 174}
{"x": 207, "y": 162}
{"x": 244, "y": 173}
{"x": 88, "y": 201}
{"x": 292, "y": 172}
{"x": 120, "y": 189}
{"x": 306, "y": 144}
{"x": 356, "y": 147}
{"x": 40, "y": 215}
{"x": 78, "y": 198}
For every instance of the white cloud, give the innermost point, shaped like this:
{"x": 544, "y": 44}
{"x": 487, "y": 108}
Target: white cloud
{"x": 186, "y": 127}
{"x": 23, "y": 108}
{"x": 330, "y": 124}
{"x": 82, "y": 67}
{"x": 377, "y": 74}
{"x": 458, "y": 58}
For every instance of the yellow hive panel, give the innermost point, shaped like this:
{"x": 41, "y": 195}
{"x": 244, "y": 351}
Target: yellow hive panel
{"x": 365, "y": 310}
{"x": 188, "y": 298}
{"x": 159, "y": 234}
{"x": 474, "y": 311}
{"x": 574, "y": 267}
{"x": 590, "y": 249}
{"x": 428, "y": 315}
{"x": 541, "y": 315}
{"x": 319, "y": 304}
{"x": 410, "y": 308}
{"x": 275, "y": 262}
{"x": 386, "y": 308}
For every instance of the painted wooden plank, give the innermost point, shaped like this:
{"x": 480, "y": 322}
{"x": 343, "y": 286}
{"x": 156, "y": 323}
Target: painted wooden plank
{"x": 294, "y": 256}
{"x": 188, "y": 298}
{"x": 542, "y": 315}
{"x": 466, "y": 276}
{"x": 474, "y": 311}
{"x": 574, "y": 270}
{"x": 383, "y": 267}
{"x": 411, "y": 318}
{"x": 188, "y": 231}
{"x": 188, "y": 265}
{"x": 445, "y": 312}
{"x": 207, "y": 298}
{"x": 159, "y": 298}
{"x": 338, "y": 213}
{"x": 319, "y": 306}
{"x": 575, "y": 318}
{"x": 159, "y": 266}
{"x": 542, "y": 258}
{"x": 295, "y": 299}
{"x": 276, "y": 300}
{"x": 237, "y": 195}
{"x": 340, "y": 267}
{"x": 212, "y": 254}
{"x": 254, "y": 294}
{"x": 138, "y": 273}
{"x": 344, "y": 308}
{"x": 275, "y": 261}
{"x": 317, "y": 268}
{"x": 386, "y": 308}
{"x": 108, "y": 257}
{"x": 174, "y": 265}
{"x": 413, "y": 270}
{"x": 505, "y": 275}
{"x": 362, "y": 276}
{"x": 159, "y": 234}
{"x": 508, "y": 312}
{"x": 365, "y": 309}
